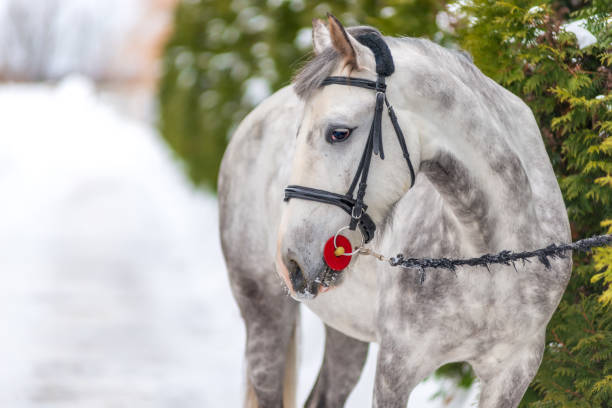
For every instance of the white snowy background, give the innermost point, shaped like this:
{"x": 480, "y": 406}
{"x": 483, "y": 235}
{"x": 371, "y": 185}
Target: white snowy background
{"x": 113, "y": 290}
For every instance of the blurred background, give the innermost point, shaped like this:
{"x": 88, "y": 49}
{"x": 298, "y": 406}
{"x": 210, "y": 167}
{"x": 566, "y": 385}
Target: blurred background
{"x": 114, "y": 115}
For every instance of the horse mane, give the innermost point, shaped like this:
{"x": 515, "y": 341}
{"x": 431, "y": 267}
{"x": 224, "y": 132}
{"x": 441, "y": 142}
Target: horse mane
{"x": 319, "y": 67}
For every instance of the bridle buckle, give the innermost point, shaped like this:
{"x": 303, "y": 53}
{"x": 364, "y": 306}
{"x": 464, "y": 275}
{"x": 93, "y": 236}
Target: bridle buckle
{"x": 361, "y": 212}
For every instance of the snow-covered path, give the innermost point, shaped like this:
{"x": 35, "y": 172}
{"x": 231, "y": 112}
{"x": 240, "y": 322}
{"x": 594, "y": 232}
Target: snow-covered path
{"x": 113, "y": 290}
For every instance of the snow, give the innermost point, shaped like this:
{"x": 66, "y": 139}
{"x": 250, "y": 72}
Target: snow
{"x": 303, "y": 38}
{"x": 256, "y": 90}
{"x": 444, "y": 20}
{"x": 583, "y": 36}
{"x": 387, "y": 12}
{"x": 114, "y": 291}
{"x": 535, "y": 10}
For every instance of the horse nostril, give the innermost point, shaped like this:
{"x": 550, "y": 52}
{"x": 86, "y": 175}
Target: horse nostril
{"x": 298, "y": 281}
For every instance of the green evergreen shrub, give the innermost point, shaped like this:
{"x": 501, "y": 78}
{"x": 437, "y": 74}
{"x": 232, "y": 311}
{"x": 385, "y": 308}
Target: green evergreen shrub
{"x": 527, "y": 47}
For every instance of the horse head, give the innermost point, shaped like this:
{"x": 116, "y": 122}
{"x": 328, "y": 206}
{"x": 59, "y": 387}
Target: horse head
{"x": 332, "y": 144}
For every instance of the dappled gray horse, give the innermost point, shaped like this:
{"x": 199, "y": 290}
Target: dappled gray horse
{"x": 483, "y": 184}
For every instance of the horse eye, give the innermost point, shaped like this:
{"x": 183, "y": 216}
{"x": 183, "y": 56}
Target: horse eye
{"x": 338, "y": 134}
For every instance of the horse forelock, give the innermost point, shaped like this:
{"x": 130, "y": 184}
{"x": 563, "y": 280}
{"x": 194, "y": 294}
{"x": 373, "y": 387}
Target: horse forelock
{"x": 322, "y": 65}
{"x": 311, "y": 76}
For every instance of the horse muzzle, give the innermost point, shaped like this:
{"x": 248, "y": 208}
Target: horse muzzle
{"x": 305, "y": 279}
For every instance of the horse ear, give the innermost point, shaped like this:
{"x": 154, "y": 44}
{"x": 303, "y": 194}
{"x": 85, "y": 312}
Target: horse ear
{"x": 320, "y": 36}
{"x": 352, "y": 51}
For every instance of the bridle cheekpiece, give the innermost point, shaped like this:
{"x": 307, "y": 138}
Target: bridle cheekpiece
{"x": 352, "y": 203}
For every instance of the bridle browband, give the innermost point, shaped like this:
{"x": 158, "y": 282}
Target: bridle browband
{"x": 356, "y": 207}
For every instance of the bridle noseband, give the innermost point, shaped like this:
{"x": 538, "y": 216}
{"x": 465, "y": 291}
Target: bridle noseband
{"x": 356, "y": 207}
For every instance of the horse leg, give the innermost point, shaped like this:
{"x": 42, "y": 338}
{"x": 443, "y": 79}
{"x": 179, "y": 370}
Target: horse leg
{"x": 270, "y": 317}
{"x": 342, "y": 365}
{"x": 504, "y": 381}
{"x": 398, "y": 371}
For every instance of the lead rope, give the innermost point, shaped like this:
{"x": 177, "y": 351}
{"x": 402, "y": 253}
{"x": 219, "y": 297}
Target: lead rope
{"x": 504, "y": 257}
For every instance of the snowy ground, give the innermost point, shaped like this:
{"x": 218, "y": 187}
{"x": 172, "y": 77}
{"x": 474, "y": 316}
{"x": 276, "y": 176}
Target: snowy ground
{"x": 114, "y": 291}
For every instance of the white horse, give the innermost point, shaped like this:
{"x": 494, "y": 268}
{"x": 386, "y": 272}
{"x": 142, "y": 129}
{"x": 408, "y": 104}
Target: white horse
{"x": 484, "y": 183}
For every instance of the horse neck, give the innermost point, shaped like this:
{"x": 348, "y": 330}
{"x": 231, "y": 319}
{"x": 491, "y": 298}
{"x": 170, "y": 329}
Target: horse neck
{"x": 467, "y": 154}
{"x": 490, "y": 201}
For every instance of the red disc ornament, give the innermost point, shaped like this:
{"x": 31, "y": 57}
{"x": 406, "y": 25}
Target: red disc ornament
{"x": 337, "y": 263}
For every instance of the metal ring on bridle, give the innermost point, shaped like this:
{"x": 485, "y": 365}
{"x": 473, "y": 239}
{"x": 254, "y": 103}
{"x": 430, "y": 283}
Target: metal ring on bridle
{"x": 356, "y": 249}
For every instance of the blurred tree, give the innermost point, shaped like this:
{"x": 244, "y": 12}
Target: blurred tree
{"x": 225, "y": 56}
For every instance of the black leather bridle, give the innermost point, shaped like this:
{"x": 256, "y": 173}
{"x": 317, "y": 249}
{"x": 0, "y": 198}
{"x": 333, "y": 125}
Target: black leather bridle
{"x": 356, "y": 207}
